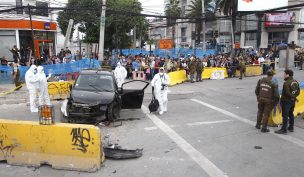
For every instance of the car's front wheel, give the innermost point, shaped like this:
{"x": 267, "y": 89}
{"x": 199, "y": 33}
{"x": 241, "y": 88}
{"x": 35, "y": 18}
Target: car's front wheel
{"x": 113, "y": 112}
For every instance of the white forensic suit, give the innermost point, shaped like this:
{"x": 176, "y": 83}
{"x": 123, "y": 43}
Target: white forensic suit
{"x": 120, "y": 74}
{"x": 160, "y": 83}
{"x": 31, "y": 83}
{"x": 44, "y": 98}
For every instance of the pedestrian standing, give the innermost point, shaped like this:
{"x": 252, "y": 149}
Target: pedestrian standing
{"x": 290, "y": 92}
{"x": 192, "y": 69}
{"x": 15, "y": 52}
{"x": 16, "y": 75}
{"x": 301, "y": 60}
{"x": 160, "y": 84}
{"x": 199, "y": 70}
{"x": 242, "y": 67}
{"x": 267, "y": 97}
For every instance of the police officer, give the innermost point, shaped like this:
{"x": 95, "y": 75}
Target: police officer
{"x": 291, "y": 90}
{"x": 16, "y": 76}
{"x": 192, "y": 68}
{"x": 267, "y": 97}
{"x": 199, "y": 70}
{"x": 301, "y": 60}
{"x": 242, "y": 67}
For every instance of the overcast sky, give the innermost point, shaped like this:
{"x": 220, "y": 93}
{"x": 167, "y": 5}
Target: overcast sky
{"x": 150, "y": 6}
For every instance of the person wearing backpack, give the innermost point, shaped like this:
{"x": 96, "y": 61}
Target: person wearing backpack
{"x": 267, "y": 97}
{"x": 291, "y": 90}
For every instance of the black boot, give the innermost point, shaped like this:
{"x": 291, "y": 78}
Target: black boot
{"x": 281, "y": 131}
{"x": 290, "y": 128}
{"x": 257, "y": 126}
{"x": 265, "y": 130}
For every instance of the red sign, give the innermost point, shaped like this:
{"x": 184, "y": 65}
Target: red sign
{"x": 280, "y": 19}
{"x": 166, "y": 44}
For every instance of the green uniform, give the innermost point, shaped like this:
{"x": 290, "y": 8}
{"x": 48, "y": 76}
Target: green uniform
{"x": 242, "y": 68}
{"x": 268, "y": 96}
{"x": 192, "y": 69}
{"x": 290, "y": 92}
{"x": 16, "y": 76}
{"x": 301, "y": 61}
{"x": 199, "y": 70}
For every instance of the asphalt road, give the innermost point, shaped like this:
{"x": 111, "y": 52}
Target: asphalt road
{"x": 207, "y": 131}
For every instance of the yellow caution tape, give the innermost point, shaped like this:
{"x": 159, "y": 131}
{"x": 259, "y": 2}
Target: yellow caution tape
{"x": 11, "y": 91}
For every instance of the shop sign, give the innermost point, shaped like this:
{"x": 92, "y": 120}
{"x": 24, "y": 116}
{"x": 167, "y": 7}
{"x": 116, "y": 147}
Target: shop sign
{"x": 280, "y": 19}
{"x": 47, "y": 25}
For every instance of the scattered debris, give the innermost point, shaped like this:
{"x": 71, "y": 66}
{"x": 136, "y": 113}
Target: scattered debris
{"x": 115, "y": 152}
{"x": 258, "y": 147}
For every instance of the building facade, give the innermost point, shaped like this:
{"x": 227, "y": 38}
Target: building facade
{"x": 271, "y": 29}
{"x": 15, "y": 28}
{"x": 251, "y": 31}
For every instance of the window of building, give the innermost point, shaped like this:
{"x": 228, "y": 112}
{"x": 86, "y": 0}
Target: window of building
{"x": 225, "y": 25}
{"x": 275, "y": 38}
{"x": 225, "y": 39}
{"x": 19, "y": 4}
{"x": 250, "y": 36}
{"x": 44, "y": 10}
{"x": 183, "y": 34}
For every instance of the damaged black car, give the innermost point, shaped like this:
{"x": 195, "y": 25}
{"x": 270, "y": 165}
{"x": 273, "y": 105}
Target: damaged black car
{"x": 96, "y": 97}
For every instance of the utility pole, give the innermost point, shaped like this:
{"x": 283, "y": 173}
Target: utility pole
{"x": 134, "y": 37}
{"x": 33, "y": 38}
{"x": 102, "y": 31}
{"x": 204, "y": 26}
{"x": 79, "y": 40}
{"x": 68, "y": 33}
{"x": 287, "y": 57}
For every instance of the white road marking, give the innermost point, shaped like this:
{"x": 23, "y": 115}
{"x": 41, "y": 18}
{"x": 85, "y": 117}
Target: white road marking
{"x": 191, "y": 124}
{"x": 150, "y": 128}
{"x": 225, "y": 112}
{"x": 249, "y": 122}
{"x": 211, "y": 169}
{"x": 208, "y": 122}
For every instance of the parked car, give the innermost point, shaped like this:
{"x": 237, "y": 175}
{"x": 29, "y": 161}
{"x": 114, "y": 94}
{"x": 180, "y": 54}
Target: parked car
{"x": 95, "y": 96}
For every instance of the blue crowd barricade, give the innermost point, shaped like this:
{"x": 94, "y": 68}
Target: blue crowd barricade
{"x": 172, "y": 53}
{"x": 56, "y": 69}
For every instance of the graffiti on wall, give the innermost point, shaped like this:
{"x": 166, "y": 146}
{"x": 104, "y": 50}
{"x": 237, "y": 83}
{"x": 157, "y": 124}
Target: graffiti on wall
{"x": 59, "y": 88}
{"x": 6, "y": 147}
{"x": 80, "y": 139}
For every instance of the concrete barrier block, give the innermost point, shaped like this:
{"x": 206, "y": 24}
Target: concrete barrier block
{"x": 59, "y": 90}
{"x": 62, "y": 146}
{"x": 276, "y": 115}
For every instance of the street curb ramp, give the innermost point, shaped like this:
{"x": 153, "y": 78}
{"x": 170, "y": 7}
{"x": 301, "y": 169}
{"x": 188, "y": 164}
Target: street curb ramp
{"x": 62, "y": 146}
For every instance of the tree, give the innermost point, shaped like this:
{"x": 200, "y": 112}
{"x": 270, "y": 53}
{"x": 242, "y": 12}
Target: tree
{"x": 195, "y": 11}
{"x": 172, "y": 10}
{"x": 229, "y": 7}
{"x": 86, "y": 14}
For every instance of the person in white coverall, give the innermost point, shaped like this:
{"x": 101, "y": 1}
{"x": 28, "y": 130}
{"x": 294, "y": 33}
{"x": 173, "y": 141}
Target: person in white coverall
{"x": 160, "y": 84}
{"x": 120, "y": 74}
{"x": 31, "y": 83}
{"x": 44, "y": 98}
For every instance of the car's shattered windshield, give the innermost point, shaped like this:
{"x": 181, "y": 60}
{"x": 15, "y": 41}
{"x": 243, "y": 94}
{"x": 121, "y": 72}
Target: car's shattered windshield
{"x": 99, "y": 83}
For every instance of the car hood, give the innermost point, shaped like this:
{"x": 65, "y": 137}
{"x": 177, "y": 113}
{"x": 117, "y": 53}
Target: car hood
{"x": 92, "y": 98}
